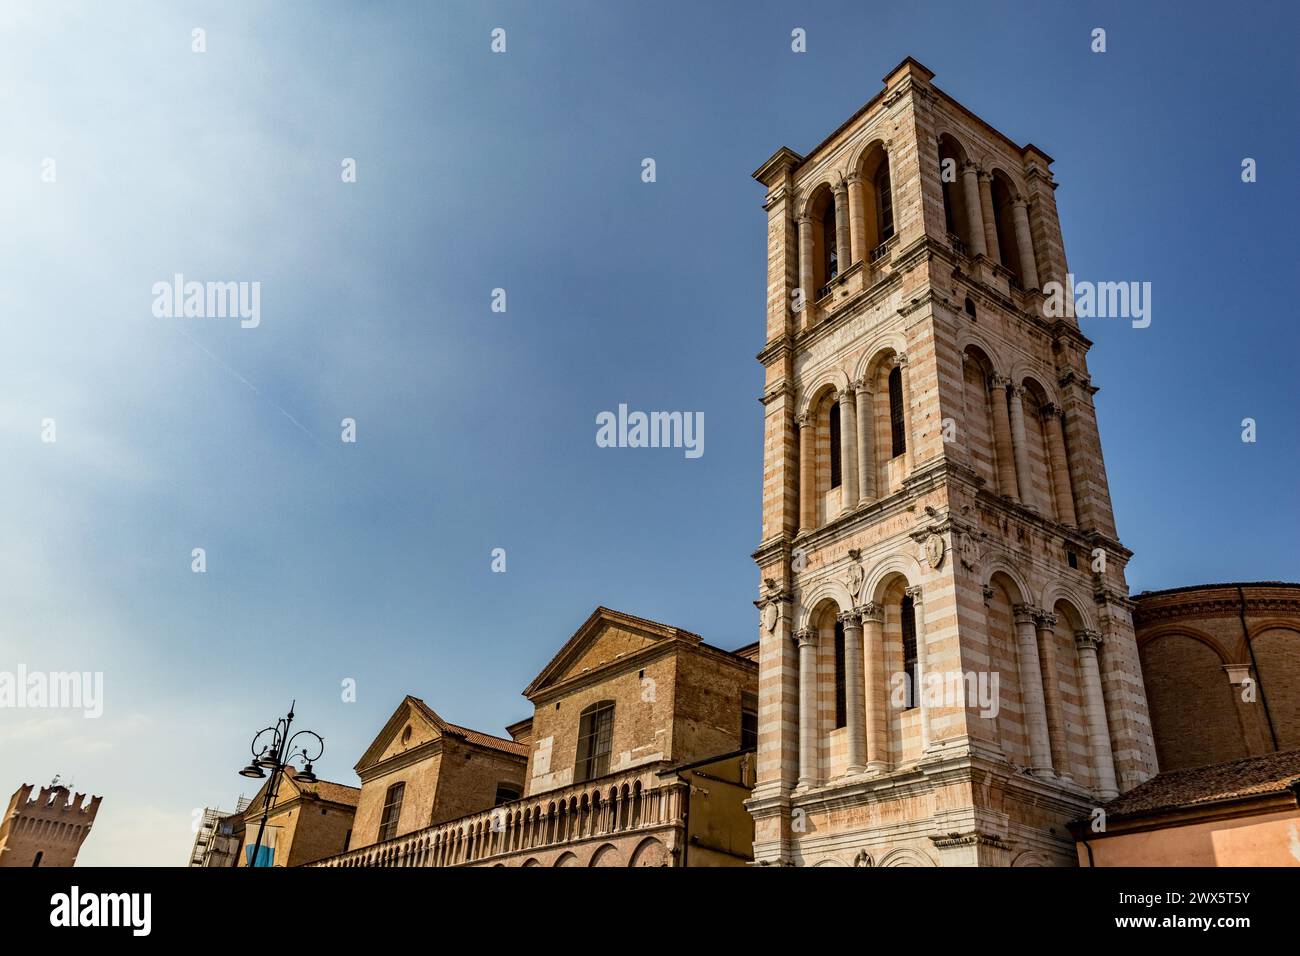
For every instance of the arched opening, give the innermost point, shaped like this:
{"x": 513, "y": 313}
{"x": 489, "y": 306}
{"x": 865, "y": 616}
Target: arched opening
{"x": 956, "y": 220}
{"x": 821, "y": 209}
{"x": 877, "y": 201}
{"x": 1039, "y": 493}
{"x": 1010, "y": 727}
{"x": 976, "y": 437}
{"x": 1004, "y": 194}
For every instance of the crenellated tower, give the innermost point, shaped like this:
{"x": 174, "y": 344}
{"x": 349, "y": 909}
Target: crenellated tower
{"x": 47, "y": 830}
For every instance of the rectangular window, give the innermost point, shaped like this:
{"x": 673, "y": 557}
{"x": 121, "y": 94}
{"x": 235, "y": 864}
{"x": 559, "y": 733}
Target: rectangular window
{"x": 909, "y": 652}
{"x": 836, "y": 467}
{"x": 841, "y": 708}
{"x": 749, "y": 722}
{"x": 595, "y": 741}
{"x": 884, "y": 205}
{"x": 897, "y": 425}
{"x": 392, "y": 812}
{"x": 505, "y": 794}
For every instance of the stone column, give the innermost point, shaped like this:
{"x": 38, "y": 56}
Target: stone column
{"x": 855, "y": 691}
{"x": 1002, "y": 437}
{"x": 807, "y": 473}
{"x": 1025, "y": 244}
{"x": 1060, "y": 466}
{"x": 1103, "y": 759}
{"x": 877, "y": 693}
{"x": 808, "y": 761}
{"x": 848, "y": 451}
{"x": 857, "y": 235}
{"x": 974, "y": 221}
{"x": 1031, "y": 690}
{"x": 1045, "y": 622}
{"x": 806, "y": 268}
{"x": 866, "y": 443}
{"x": 1020, "y": 445}
{"x": 990, "y": 221}
{"x": 843, "y": 256}
{"x": 918, "y": 692}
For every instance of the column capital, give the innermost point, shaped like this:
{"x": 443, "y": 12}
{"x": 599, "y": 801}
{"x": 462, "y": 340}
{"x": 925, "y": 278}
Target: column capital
{"x": 1045, "y": 620}
{"x": 1019, "y": 203}
{"x": 806, "y": 637}
{"x": 970, "y": 167}
{"x": 1025, "y": 613}
{"x": 803, "y": 419}
{"x": 804, "y": 219}
{"x": 914, "y": 593}
{"x": 853, "y": 178}
{"x": 1050, "y": 409}
{"x": 1088, "y": 639}
{"x": 1016, "y": 390}
{"x": 998, "y": 381}
{"x": 899, "y": 360}
{"x": 851, "y": 618}
{"x": 873, "y": 612}
{"x": 861, "y": 385}
{"x": 986, "y": 176}
{"x": 988, "y": 593}
{"x": 840, "y": 189}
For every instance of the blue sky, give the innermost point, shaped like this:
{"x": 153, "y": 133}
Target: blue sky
{"x": 521, "y": 171}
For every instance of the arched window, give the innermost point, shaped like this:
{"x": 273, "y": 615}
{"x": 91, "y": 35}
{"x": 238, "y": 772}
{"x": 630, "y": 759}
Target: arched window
{"x": 970, "y": 307}
{"x": 392, "y": 812}
{"x": 836, "y": 464}
{"x": 506, "y": 792}
{"x": 884, "y": 204}
{"x": 595, "y": 741}
{"x": 829, "y": 241}
{"x": 897, "y": 429}
{"x": 841, "y": 707}
{"x": 909, "y": 651}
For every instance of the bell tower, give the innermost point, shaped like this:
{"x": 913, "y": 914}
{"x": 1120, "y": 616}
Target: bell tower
{"x": 948, "y": 670}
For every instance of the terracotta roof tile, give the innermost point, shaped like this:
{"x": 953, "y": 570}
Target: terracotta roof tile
{"x": 1237, "y": 779}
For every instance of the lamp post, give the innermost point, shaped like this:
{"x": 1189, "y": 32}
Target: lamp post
{"x": 277, "y": 754}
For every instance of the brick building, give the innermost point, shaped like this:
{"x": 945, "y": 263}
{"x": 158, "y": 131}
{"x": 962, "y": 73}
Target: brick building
{"x": 638, "y": 753}
{"x": 46, "y": 830}
{"x": 935, "y": 508}
{"x": 307, "y": 821}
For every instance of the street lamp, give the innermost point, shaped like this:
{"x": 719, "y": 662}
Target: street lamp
{"x": 276, "y": 754}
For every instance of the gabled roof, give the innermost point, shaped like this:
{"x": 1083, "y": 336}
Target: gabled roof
{"x": 292, "y": 787}
{"x": 590, "y": 628}
{"x": 414, "y": 707}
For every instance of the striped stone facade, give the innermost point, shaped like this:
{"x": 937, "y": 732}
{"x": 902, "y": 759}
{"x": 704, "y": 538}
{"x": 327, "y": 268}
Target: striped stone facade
{"x": 936, "y": 520}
